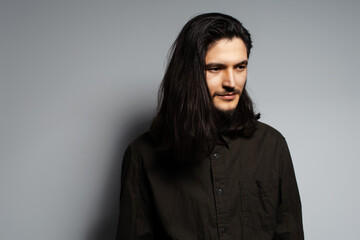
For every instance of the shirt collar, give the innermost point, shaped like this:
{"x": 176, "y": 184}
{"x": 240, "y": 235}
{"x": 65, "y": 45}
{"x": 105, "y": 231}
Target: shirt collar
{"x": 226, "y": 140}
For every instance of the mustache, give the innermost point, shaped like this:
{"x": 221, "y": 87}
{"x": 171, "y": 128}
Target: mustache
{"x": 227, "y": 92}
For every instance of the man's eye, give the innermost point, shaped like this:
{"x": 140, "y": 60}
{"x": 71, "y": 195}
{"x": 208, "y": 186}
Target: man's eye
{"x": 214, "y": 69}
{"x": 241, "y": 67}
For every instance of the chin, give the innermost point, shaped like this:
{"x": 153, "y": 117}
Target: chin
{"x": 225, "y": 108}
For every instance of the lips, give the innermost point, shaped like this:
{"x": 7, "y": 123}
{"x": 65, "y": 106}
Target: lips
{"x": 227, "y": 97}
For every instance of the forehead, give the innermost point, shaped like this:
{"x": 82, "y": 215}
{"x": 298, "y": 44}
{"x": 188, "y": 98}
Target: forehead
{"x": 225, "y": 50}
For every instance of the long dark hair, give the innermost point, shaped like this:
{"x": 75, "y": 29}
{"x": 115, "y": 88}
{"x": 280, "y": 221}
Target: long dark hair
{"x": 185, "y": 122}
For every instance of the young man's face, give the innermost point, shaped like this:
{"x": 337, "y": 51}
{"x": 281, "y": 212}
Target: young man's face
{"x": 226, "y": 71}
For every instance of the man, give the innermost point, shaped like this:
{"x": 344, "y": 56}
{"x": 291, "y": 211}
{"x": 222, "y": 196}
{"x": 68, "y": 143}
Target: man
{"x": 208, "y": 169}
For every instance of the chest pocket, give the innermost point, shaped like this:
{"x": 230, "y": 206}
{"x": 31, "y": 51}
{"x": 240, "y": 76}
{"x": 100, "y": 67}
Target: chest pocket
{"x": 259, "y": 203}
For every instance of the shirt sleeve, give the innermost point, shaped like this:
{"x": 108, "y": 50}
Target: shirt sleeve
{"x": 289, "y": 217}
{"x": 134, "y": 217}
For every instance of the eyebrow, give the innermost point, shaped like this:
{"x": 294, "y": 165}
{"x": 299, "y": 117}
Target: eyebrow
{"x": 221, "y": 65}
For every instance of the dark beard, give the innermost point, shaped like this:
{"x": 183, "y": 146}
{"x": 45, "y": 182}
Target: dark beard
{"x": 224, "y": 119}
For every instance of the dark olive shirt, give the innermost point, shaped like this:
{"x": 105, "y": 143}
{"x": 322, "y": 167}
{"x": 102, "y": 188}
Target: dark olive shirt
{"x": 245, "y": 189}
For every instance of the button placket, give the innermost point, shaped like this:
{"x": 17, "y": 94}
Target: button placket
{"x": 219, "y": 177}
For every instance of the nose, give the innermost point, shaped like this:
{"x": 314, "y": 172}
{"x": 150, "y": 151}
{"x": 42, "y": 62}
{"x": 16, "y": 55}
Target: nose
{"x": 229, "y": 79}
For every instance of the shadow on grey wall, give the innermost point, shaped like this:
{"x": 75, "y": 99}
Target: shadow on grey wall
{"x": 105, "y": 226}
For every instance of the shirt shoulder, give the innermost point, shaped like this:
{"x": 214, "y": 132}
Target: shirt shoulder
{"x": 143, "y": 142}
{"x": 264, "y": 130}
{"x": 142, "y": 148}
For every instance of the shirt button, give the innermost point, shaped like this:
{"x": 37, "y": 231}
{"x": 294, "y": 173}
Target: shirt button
{"x": 223, "y": 230}
{"x": 220, "y": 191}
{"x": 216, "y": 155}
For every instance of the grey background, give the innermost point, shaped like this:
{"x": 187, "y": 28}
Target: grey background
{"x": 79, "y": 82}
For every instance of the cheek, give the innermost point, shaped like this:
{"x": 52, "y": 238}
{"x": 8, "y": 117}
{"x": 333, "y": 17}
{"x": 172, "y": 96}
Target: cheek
{"x": 242, "y": 83}
{"x": 241, "y": 80}
{"x": 211, "y": 83}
